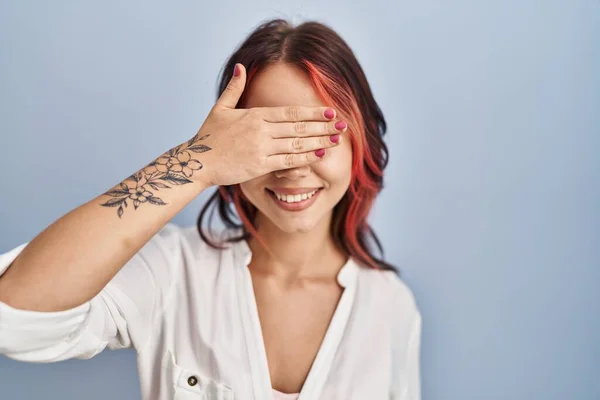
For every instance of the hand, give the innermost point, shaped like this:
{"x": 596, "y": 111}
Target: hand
{"x": 241, "y": 144}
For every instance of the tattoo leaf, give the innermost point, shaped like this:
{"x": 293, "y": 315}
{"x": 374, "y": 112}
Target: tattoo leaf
{"x": 118, "y": 193}
{"x": 120, "y": 211}
{"x": 196, "y": 139}
{"x": 199, "y": 148}
{"x": 175, "y": 150}
{"x": 158, "y": 185}
{"x": 156, "y": 201}
{"x": 136, "y": 177}
{"x": 175, "y": 179}
{"x": 114, "y": 202}
{"x": 124, "y": 187}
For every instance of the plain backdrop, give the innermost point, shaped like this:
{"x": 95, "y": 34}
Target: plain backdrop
{"x": 492, "y": 201}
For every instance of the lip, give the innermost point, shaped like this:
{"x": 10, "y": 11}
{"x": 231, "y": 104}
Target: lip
{"x": 301, "y": 190}
{"x": 299, "y": 206}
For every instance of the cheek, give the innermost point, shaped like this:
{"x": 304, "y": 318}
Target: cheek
{"x": 336, "y": 167}
{"x": 252, "y": 189}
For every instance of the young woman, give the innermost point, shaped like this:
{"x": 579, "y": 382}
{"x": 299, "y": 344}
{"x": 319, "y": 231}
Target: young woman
{"x": 289, "y": 301}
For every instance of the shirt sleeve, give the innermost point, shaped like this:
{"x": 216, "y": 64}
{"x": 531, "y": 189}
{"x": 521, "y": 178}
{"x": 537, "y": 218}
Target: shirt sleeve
{"x": 406, "y": 345}
{"x": 412, "y": 370}
{"x": 120, "y": 316}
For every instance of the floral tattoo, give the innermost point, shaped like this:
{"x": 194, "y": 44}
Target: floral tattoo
{"x": 174, "y": 168}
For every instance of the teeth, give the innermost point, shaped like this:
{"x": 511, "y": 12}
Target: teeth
{"x": 294, "y": 198}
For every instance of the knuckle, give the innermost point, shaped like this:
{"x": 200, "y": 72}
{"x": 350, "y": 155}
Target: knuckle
{"x": 230, "y": 87}
{"x": 288, "y": 160}
{"x": 324, "y": 141}
{"x": 252, "y": 113}
{"x": 292, "y": 113}
{"x": 257, "y": 113}
{"x": 262, "y": 162}
{"x": 297, "y": 143}
{"x": 300, "y": 127}
{"x": 253, "y": 120}
{"x": 259, "y": 149}
{"x": 256, "y": 123}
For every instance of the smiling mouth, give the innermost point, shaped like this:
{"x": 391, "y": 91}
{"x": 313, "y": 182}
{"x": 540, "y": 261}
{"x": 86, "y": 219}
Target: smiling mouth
{"x": 294, "y": 198}
{"x": 294, "y": 202}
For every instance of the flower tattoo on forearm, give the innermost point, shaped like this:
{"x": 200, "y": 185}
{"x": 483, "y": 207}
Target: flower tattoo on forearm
{"x": 174, "y": 168}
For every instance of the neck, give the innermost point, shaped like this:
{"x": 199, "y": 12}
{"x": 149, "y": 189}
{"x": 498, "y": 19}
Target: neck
{"x": 296, "y": 255}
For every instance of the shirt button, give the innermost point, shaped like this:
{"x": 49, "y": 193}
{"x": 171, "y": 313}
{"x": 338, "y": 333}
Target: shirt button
{"x": 192, "y": 381}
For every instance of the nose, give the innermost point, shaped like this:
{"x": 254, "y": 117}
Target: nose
{"x": 294, "y": 173}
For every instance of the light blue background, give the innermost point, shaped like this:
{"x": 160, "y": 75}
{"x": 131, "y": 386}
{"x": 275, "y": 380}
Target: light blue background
{"x": 492, "y": 204}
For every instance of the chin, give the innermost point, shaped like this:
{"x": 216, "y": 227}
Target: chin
{"x": 293, "y": 225}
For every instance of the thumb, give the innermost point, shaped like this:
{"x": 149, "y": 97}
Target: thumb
{"x": 232, "y": 93}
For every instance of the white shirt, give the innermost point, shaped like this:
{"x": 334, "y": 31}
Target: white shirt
{"x": 190, "y": 312}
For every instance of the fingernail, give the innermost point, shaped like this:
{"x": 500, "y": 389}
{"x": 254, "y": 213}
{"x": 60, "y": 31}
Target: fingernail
{"x": 236, "y": 70}
{"x": 334, "y": 138}
{"x": 320, "y": 153}
{"x": 329, "y": 113}
{"x": 340, "y": 125}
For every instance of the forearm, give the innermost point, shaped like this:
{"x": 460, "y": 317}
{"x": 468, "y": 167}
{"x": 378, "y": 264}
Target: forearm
{"x": 76, "y": 256}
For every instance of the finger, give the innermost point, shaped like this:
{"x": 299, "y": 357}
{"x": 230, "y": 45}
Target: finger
{"x": 305, "y": 129}
{"x": 286, "y": 161}
{"x": 232, "y": 93}
{"x": 297, "y": 113}
{"x": 303, "y": 145}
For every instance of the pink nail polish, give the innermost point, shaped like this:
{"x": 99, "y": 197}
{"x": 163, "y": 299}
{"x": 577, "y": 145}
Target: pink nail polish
{"x": 334, "y": 138}
{"x": 320, "y": 153}
{"x": 340, "y": 125}
{"x": 329, "y": 113}
{"x": 236, "y": 70}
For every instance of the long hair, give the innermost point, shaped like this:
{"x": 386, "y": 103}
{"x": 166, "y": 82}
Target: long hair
{"x": 340, "y": 82}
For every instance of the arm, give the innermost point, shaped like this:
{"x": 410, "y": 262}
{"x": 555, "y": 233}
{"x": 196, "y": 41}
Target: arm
{"x": 121, "y": 315}
{"x": 55, "y": 298}
{"x": 413, "y": 362}
{"x": 405, "y": 382}
{"x": 99, "y": 237}
{"x": 406, "y": 365}
{"x": 232, "y": 146}
{"x": 99, "y": 276}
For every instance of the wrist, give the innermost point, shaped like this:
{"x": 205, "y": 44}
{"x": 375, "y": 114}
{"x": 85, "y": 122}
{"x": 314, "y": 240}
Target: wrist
{"x": 188, "y": 162}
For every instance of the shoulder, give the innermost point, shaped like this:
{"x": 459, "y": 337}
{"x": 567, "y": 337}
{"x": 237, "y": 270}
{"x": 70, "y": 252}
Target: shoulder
{"x": 391, "y": 287}
{"x": 397, "y": 299}
{"x": 401, "y": 296}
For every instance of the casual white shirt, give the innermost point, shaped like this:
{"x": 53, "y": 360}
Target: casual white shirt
{"x": 190, "y": 312}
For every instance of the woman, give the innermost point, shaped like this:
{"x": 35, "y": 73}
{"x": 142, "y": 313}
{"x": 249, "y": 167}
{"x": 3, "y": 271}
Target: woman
{"x": 290, "y": 301}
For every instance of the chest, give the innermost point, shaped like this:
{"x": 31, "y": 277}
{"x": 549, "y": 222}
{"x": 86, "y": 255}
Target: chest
{"x": 241, "y": 341}
{"x": 294, "y": 322}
